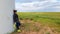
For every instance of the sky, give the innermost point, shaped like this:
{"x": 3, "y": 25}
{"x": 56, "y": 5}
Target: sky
{"x": 37, "y": 5}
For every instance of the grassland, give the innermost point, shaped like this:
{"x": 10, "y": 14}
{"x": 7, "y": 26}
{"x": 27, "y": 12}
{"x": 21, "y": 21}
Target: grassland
{"x": 41, "y": 22}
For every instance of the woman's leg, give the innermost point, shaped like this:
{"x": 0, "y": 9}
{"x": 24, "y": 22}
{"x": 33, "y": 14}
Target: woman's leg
{"x": 17, "y": 27}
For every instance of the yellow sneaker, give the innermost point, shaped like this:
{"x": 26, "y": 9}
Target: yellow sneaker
{"x": 19, "y": 30}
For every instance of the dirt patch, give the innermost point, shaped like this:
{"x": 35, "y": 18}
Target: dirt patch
{"x": 31, "y": 27}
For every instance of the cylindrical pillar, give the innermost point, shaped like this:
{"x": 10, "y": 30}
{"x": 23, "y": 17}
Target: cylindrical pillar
{"x": 6, "y": 16}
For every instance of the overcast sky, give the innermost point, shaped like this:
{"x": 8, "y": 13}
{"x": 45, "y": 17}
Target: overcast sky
{"x": 38, "y": 5}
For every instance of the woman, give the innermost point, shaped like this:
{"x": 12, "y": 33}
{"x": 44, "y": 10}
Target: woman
{"x": 16, "y": 20}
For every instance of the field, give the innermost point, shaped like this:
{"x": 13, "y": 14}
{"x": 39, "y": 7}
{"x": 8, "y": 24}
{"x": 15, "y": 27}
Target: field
{"x": 39, "y": 23}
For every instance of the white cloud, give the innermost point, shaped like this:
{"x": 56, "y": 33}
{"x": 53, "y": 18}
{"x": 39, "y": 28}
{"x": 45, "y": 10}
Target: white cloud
{"x": 37, "y": 5}
{"x": 52, "y": 0}
{"x": 30, "y": 6}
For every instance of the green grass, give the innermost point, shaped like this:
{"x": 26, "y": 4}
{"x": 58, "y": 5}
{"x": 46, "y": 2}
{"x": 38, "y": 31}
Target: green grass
{"x": 48, "y": 33}
{"x": 50, "y": 18}
{"x": 45, "y": 17}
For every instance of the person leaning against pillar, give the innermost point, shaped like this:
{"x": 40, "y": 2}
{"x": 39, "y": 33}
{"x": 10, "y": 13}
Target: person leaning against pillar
{"x": 16, "y": 21}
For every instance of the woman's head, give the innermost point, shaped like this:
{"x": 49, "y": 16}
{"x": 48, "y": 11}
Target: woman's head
{"x": 15, "y": 11}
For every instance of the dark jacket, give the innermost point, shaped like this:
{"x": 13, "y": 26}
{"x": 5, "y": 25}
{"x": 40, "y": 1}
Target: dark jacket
{"x": 15, "y": 17}
{"x": 16, "y": 20}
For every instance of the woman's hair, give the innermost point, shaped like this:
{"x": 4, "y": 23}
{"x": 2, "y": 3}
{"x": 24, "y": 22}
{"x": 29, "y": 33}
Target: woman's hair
{"x": 14, "y": 11}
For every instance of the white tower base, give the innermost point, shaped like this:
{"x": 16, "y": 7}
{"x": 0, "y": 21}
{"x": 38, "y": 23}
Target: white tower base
{"x": 6, "y": 16}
